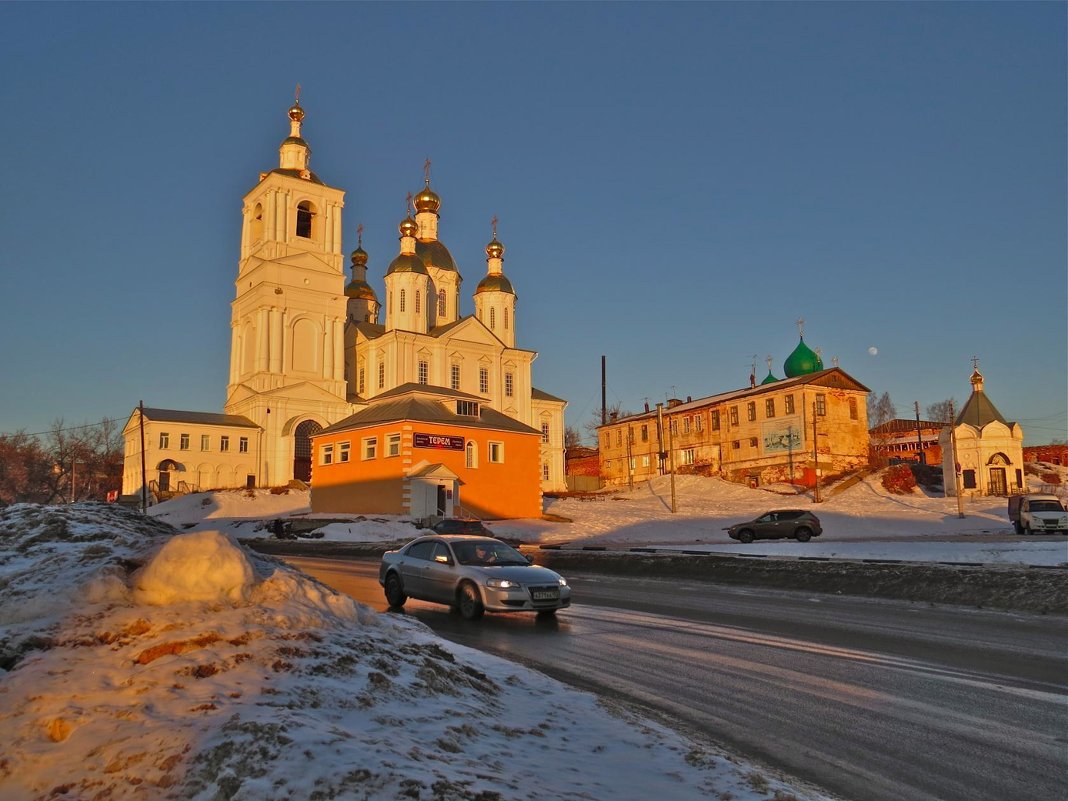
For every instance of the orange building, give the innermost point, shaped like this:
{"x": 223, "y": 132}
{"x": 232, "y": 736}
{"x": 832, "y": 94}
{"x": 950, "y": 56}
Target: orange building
{"x": 427, "y": 451}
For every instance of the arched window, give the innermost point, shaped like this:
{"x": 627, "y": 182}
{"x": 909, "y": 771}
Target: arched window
{"x": 256, "y": 231}
{"x": 402, "y": 300}
{"x": 472, "y": 454}
{"x": 302, "y": 449}
{"x": 305, "y": 217}
{"x": 505, "y": 318}
{"x": 418, "y": 298}
{"x": 493, "y": 318}
{"x": 441, "y": 303}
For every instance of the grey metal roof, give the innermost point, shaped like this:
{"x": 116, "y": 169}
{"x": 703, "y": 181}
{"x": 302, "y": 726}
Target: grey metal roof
{"x": 537, "y": 394}
{"x": 198, "y": 418}
{"x": 427, "y": 404}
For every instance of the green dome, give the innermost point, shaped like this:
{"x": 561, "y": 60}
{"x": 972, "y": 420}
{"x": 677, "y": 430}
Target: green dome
{"x": 769, "y": 380}
{"x": 802, "y": 361}
{"x": 435, "y": 254}
{"x": 495, "y": 283}
{"x": 406, "y": 263}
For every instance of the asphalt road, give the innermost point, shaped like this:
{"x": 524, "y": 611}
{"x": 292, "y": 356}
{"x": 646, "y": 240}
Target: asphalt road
{"x": 866, "y": 699}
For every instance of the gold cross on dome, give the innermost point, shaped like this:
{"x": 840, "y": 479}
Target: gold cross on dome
{"x": 426, "y": 170}
{"x": 409, "y": 204}
{"x": 297, "y": 95}
{"x": 975, "y": 363}
{"x": 359, "y": 234}
{"x": 493, "y": 222}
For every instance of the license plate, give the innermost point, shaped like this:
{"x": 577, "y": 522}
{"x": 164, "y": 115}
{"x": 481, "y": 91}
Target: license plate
{"x": 546, "y": 595}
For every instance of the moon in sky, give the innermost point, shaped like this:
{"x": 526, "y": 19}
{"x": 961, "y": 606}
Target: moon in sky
{"x": 873, "y": 350}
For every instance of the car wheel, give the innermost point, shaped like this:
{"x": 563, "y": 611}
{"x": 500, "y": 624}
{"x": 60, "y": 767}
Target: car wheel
{"x": 803, "y": 534}
{"x": 745, "y": 536}
{"x": 471, "y": 607}
{"x": 1027, "y": 531}
{"x": 395, "y": 596}
{"x": 546, "y": 613}
{"x": 1018, "y": 528}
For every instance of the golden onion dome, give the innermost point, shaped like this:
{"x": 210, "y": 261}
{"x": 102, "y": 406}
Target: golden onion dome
{"x": 495, "y": 282}
{"x": 359, "y": 257}
{"x": 408, "y": 227}
{"x": 406, "y": 263}
{"x": 360, "y": 290}
{"x": 296, "y": 113}
{"x": 435, "y": 254}
{"x": 495, "y": 249}
{"x": 427, "y": 200}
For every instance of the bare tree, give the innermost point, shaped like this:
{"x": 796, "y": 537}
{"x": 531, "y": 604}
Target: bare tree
{"x": 591, "y": 425}
{"x": 572, "y": 437}
{"x": 941, "y": 412}
{"x": 26, "y": 474}
{"x": 880, "y": 409}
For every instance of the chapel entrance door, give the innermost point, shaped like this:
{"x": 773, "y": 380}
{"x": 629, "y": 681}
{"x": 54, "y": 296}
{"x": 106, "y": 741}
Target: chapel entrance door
{"x": 302, "y": 449}
{"x": 997, "y": 481}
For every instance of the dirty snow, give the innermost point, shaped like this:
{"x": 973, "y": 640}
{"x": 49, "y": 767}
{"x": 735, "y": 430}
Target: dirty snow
{"x": 279, "y": 688}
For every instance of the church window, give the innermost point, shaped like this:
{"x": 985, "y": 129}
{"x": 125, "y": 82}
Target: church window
{"x": 343, "y": 452}
{"x": 205, "y": 442}
{"x": 393, "y": 444}
{"x": 714, "y": 415}
{"x": 545, "y": 471}
{"x": 750, "y": 411}
{"x": 224, "y": 443}
{"x": 441, "y": 303}
{"x": 544, "y": 432}
{"x": 305, "y": 215}
{"x": 788, "y": 401}
{"x": 418, "y": 298}
{"x": 256, "y": 234}
{"x": 242, "y": 445}
{"x": 821, "y": 404}
{"x": 402, "y": 300}
{"x": 361, "y": 385}
{"x": 505, "y": 318}
{"x": 734, "y": 415}
{"x": 381, "y": 375}
{"x": 509, "y": 385}
{"x": 969, "y": 479}
{"x": 483, "y": 380}
{"x": 164, "y": 440}
{"x": 496, "y": 452}
{"x": 493, "y": 319}
{"x": 769, "y": 407}
{"x": 852, "y": 408}
{"x": 424, "y": 372}
{"x": 645, "y": 433}
{"x": 454, "y": 376}
{"x": 699, "y": 422}
{"x": 370, "y": 447}
{"x": 326, "y": 454}
{"x": 183, "y": 442}
{"x": 471, "y": 451}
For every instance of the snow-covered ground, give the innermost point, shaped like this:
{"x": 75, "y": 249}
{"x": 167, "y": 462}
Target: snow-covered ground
{"x": 862, "y": 522}
{"x": 136, "y": 663}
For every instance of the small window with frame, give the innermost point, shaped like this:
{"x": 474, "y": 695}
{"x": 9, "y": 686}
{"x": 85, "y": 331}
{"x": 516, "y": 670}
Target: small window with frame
{"x": 370, "y": 447}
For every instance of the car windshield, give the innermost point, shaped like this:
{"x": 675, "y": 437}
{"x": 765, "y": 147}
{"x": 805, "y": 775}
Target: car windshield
{"x": 1045, "y": 506}
{"x": 487, "y": 552}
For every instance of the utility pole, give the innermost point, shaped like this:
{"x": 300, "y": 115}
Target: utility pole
{"x": 144, "y": 473}
{"x": 956, "y": 464}
{"x": 630, "y": 457}
{"x": 604, "y": 402}
{"x": 919, "y": 436}
{"x": 660, "y": 438}
{"x": 815, "y": 458}
{"x": 671, "y": 457}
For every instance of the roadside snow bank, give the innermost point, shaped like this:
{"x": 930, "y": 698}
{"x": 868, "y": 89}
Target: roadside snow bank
{"x": 203, "y": 566}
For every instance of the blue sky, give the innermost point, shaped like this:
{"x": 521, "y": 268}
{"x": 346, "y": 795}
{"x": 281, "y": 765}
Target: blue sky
{"x": 676, "y": 185}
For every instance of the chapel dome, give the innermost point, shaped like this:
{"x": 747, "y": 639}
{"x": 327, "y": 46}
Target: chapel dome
{"x": 769, "y": 380}
{"x": 495, "y": 282}
{"x": 802, "y": 361}
{"x": 360, "y": 290}
{"x": 296, "y": 113}
{"x": 406, "y": 263}
{"x": 427, "y": 200}
{"x": 495, "y": 249}
{"x": 408, "y": 227}
{"x": 359, "y": 257}
{"x": 435, "y": 254}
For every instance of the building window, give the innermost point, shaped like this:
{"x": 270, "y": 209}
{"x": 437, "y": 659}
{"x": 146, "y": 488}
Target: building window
{"x": 545, "y": 472}
{"x": 370, "y": 447}
{"x": 381, "y": 374}
{"x": 789, "y": 401}
{"x": 645, "y": 460}
{"x": 164, "y": 440}
{"x": 441, "y": 303}
{"x": 471, "y": 451}
{"x": 852, "y": 408}
{"x": 821, "y": 404}
{"x": 606, "y": 442}
{"x": 506, "y": 328}
{"x": 467, "y": 408}
{"x": 544, "y": 432}
{"x": 343, "y": 452}
{"x": 305, "y": 215}
{"x": 752, "y": 442}
{"x": 619, "y": 438}
{"x": 224, "y": 443}
{"x": 645, "y": 433}
{"x": 496, "y": 452}
{"x": 483, "y": 380}
{"x": 714, "y": 415}
{"x": 326, "y": 454}
{"x": 769, "y": 407}
{"x": 493, "y": 318}
{"x": 418, "y": 298}
{"x": 750, "y": 411}
{"x": 734, "y": 415}
{"x": 360, "y": 388}
{"x": 393, "y": 444}
{"x": 687, "y": 456}
{"x": 242, "y": 445}
{"x": 699, "y": 422}
{"x": 509, "y": 385}
{"x": 736, "y": 444}
{"x": 183, "y": 442}
{"x": 454, "y": 376}
{"x": 424, "y": 372}
{"x": 673, "y": 424}
{"x": 205, "y": 442}
{"x": 402, "y": 300}
{"x": 686, "y": 425}
{"x": 969, "y": 479}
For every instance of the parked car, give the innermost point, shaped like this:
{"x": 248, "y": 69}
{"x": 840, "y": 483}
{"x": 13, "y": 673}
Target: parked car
{"x": 1037, "y": 514}
{"x": 461, "y": 525}
{"x": 776, "y": 525}
{"x": 471, "y": 574}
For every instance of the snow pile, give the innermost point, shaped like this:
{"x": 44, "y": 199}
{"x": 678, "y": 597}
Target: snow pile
{"x": 204, "y": 566}
{"x": 254, "y": 681}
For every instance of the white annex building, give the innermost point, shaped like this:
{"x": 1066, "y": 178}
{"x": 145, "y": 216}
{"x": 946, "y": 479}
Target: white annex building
{"x": 308, "y": 350}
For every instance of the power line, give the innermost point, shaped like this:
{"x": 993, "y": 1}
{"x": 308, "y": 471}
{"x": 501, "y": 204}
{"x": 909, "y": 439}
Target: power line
{"x": 103, "y": 422}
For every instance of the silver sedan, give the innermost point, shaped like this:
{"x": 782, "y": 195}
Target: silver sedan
{"x": 471, "y": 574}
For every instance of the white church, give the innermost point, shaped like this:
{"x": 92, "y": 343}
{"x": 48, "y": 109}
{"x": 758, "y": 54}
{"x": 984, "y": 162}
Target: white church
{"x": 308, "y": 350}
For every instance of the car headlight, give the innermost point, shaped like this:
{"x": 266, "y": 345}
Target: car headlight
{"x": 501, "y": 584}
{"x": 563, "y": 581}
